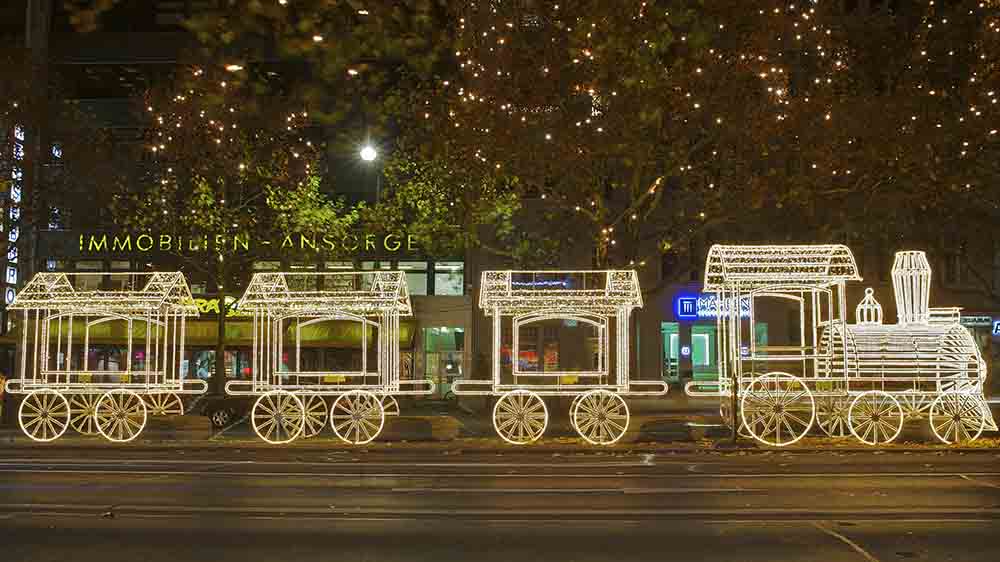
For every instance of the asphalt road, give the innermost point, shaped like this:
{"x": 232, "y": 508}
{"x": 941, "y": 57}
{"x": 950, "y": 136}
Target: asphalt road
{"x": 293, "y": 504}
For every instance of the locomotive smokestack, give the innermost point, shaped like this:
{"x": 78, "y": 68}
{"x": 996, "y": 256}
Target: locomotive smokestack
{"x": 911, "y": 281}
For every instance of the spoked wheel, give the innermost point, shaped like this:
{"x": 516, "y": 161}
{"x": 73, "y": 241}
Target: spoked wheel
{"x": 520, "y": 417}
{"x": 390, "y": 406}
{"x": 316, "y": 412}
{"x": 831, "y": 415}
{"x": 875, "y": 417}
{"x": 120, "y": 415}
{"x": 600, "y": 417}
{"x": 357, "y": 417}
{"x": 44, "y": 415}
{"x": 777, "y": 409}
{"x": 278, "y": 417}
{"x": 82, "y": 408}
{"x": 165, "y": 404}
{"x": 957, "y": 417}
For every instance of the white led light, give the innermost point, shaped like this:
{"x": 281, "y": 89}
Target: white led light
{"x": 292, "y": 400}
{"x": 60, "y": 311}
{"x": 603, "y": 300}
{"x": 867, "y": 377}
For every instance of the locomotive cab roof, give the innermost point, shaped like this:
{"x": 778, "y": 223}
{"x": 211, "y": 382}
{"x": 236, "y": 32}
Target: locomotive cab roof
{"x": 750, "y": 267}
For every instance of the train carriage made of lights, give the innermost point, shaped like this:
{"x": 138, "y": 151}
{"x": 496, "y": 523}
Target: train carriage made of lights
{"x": 862, "y": 379}
{"x": 63, "y": 314}
{"x": 293, "y": 401}
{"x": 603, "y": 300}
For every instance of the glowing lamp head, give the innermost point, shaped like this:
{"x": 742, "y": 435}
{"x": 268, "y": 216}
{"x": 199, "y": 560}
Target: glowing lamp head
{"x": 368, "y": 153}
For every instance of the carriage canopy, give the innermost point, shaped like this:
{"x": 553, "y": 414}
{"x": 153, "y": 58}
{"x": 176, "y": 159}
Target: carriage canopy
{"x": 363, "y": 293}
{"x": 761, "y": 266}
{"x": 127, "y": 294}
{"x": 596, "y": 292}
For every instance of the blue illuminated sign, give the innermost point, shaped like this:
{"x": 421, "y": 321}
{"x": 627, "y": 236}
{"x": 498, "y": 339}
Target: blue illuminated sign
{"x": 686, "y": 308}
{"x": 996, "y": 328}
{"x": 705, "y": 306}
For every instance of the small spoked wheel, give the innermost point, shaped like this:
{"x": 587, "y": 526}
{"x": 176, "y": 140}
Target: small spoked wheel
{"x": 390, "y": 405}
{"x": 875, "y": 417}
{"x": 957, "y": 417}
{"x": 316, "y": 412}
{"x": 601, "y": 417}
{"x": 165, "y": 404}
{"x": 120, "y": 415}
{"x": 831, "y": 415}
{"x": 82, "y": 410}
{"x": 777, "y": 409}
{"x": 278, "y": 417}
{"x": 44, "y": 415}
{"x": 520, "y": 417}
{"x": 357, "y": 417}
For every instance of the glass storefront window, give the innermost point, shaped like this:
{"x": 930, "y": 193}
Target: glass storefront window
{"x": 416, "y": 276}
{"x": 449, "y": 278}
{"x": 444, "y": 349}
{"x": 267, "y": 265}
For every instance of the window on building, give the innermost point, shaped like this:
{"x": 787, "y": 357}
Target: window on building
{"x": 449, "y": 278}
{"x": 89, "y": 265}
{"x": 339, "y": 265}
{"x": 416, "y": 276}
{"x": 123, "y": 265}
{"x": 266, "y": 265}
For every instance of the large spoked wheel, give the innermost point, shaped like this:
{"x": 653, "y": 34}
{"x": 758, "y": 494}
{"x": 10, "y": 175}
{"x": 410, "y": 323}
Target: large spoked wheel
{"x": 520, "y": 417}
{"x": 957, "y": 417}
{"x": 357, "y": 417}
{"x": 278, "y": 417}
{"x": 316, "y": 412}
{"x": 777, "y": 409}
{"x": 165, "y": 404}
{"x": 82, "y": 410}
{"x": 600, "y": 417}
{"x": 875, "y": 417}
{"x": 44, "y": 415}
{"x": 832, "y": 414}
{"x": 390, "y": 405}
{"x": 120, "y": 415}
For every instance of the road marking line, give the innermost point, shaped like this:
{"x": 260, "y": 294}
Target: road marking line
{"x": 979, "y": 482}
{"x": 360, "y": 473}
{"x": 572, "y": 490}
{"x": 857, "y": 548}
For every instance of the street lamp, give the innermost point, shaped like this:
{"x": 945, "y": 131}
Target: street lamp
{"x": 368, "y": 153}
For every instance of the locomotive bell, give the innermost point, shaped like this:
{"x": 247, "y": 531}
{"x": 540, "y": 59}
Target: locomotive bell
{"x": 911, "y": 282}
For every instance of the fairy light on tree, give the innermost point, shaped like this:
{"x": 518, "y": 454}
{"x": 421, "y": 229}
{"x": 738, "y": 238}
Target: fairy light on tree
{"x": 226, "y": 171}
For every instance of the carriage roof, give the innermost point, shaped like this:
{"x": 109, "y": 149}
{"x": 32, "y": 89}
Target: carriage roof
{"x": 594, "y": 292}
{"x": 124, "y": 293}
{"x": 762, "y": 266}
{"x": 360, "y": 293}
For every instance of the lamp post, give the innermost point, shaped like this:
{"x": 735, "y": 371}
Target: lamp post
{"x": 369, "y": 154}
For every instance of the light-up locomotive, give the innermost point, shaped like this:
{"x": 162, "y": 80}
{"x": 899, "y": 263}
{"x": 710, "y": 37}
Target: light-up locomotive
{"x": 863, "y": 379}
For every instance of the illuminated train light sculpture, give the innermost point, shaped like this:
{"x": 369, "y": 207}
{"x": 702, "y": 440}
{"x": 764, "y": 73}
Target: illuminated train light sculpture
{"x": 602, "y": 300}
{"x": 63, "y": 314}
{"x": 293, "y": 401}
{"x": 863, "y": 379}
